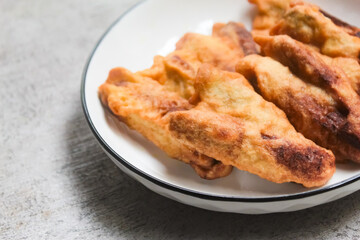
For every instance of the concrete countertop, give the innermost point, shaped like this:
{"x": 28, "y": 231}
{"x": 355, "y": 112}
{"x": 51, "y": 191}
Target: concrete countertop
{"x": 56, "y": 182}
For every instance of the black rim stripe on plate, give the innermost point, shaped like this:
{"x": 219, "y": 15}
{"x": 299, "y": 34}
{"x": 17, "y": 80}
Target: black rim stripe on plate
{"x": 173, "y": 187}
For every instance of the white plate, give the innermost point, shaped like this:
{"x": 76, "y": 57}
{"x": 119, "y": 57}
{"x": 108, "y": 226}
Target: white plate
{"x": 152, "y": 27}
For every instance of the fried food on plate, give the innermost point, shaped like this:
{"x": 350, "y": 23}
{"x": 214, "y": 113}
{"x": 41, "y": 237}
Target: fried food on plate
{"x": 306, "y": 23}
{"x": 308, "y": 65}
{"x": 235, "y": 125}
{"x": 318, "y": 99}
{"x": 144, "y": 105}
{"x": 177, "y": 71}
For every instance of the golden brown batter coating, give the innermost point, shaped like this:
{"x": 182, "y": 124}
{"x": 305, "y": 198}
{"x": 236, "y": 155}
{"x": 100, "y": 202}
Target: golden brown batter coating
{"x": 230, "y": 122}
{"x": 306, "y": 23}
{"x": 349, "y": 66}
{"x": 177, "y": 71}
{"x": 309, "y": 66}
{"x": 311, "y": 110}
{"x": 269, "y": 13}
{"x": 234, "y": 124}
{"x": 350, "y": 29}
{"x": 144, "y": 105}
{"x": 235, "y": 36}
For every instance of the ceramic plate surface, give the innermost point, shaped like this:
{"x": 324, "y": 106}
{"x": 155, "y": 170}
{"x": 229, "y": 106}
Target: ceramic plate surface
{"x": 153, "y": 27}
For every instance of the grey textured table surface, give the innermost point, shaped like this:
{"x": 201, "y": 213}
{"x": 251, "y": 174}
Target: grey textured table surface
{"x": 55, "y": 181}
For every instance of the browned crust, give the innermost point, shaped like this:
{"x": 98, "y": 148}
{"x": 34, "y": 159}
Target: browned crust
{"x": 324, "y": 125}
{"x": 222, "y": 136}
{"x": 350, "y": 29}
{"x": 175, "y": 62}
{"x": 207, "y": 129}
{"x": 259, "y": 127}
{"x": 306, "y": 23}
{"x": 308, "y": 65}
{"x": 311, "y": 113}
{"x": 236, "y": 36}
{"x": 309, "y": 162}
{"x": 270, "y": 12}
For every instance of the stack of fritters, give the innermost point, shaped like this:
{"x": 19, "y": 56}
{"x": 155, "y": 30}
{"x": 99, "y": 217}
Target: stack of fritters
{"x": 226, "y": 122}
{"x": 235, "y": 125}
{"x": 306, "y": 82}
{"x": 312, "y": 72}
{"x": 143, "y": 100}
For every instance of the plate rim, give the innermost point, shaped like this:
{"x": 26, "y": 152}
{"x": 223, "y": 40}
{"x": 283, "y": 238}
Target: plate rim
{"x": 170, "y": 186}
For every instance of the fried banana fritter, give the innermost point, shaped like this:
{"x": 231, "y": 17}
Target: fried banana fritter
{"x": 309, "y": 66}
{"x": 319, "y": 101}
{"x": 306, "y": 23}
{"x": 144, "y": 105}
{"x": 230, "y": 122}
{"x": 177, "y": 71}
{"x": 234, "y": 124}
